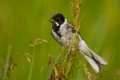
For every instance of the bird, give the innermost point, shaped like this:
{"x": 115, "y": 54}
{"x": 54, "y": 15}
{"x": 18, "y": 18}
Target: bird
{"x": 62, "y": 31}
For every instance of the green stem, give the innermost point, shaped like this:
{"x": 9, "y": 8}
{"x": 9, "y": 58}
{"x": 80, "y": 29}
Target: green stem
{"x": 7, "y": 63}
{"x": 31, "y": 68}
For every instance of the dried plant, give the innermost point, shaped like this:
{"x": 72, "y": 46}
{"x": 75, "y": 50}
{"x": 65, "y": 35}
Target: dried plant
{"x": 62, "y": 67}
{"x": 37, "y": 41}
{"x": 89, "y": 75}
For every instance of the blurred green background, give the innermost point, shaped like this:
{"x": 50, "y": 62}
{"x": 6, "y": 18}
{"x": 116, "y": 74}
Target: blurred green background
{"x": 24, "y": 20}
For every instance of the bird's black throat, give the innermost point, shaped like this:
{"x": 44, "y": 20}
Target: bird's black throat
{"x": 56, "y": 29}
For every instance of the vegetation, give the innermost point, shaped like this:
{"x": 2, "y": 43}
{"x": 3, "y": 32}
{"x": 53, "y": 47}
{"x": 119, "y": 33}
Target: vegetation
{"x": 26, "y": 44}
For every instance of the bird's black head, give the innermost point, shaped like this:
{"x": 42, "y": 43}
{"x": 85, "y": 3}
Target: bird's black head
{"x": 57, "y": 19}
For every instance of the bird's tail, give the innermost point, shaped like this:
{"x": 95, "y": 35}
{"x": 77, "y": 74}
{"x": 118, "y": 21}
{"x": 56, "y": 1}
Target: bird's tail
{"x": 95, "y": 60}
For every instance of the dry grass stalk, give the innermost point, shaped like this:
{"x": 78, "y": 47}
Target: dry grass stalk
{"x": 77, "y": 4}
{"x": 63, "y": 66}
{"x": 89, "y": 75}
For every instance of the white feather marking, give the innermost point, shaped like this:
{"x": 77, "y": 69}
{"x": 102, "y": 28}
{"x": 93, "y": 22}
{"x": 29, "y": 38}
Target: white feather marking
{"x": 55, "y": 35}
{"x": 57, "y": 38}
{"x": 89, "y": 54}
{"x": 57, "y": 23}
{"x": 98, "y": 58}
{"x": 85, "y": 51}
{"x": 92, "y": 63}
{"x": 62, "y": 29}
{"x": 62, "y": 25}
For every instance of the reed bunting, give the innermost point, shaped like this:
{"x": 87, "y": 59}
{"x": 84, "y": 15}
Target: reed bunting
{"x": 62, "y": 32}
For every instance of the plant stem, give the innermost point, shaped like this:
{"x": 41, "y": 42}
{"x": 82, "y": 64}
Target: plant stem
{"x": 31, "y": 68}
{"x": 7, "y": 63}
{"x": 63, "y": 66}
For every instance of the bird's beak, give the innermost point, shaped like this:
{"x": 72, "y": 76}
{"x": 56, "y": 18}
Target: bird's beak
{"x": 51, "y": 20}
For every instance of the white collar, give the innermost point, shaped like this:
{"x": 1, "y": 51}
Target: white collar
{"x": 62, "y": 25}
